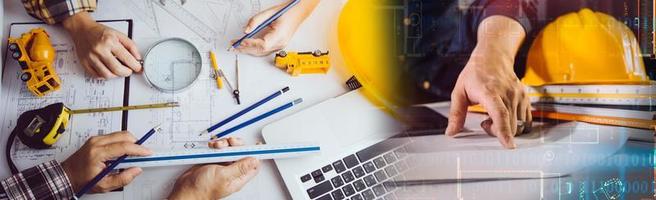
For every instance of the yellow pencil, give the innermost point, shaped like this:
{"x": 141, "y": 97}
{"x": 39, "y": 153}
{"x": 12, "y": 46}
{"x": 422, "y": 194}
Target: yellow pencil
{"x": 219, "y": 82}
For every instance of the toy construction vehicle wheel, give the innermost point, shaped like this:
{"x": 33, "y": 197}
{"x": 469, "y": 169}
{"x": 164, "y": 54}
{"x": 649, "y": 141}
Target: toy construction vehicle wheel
{"x": 16, "y": 55}
{"x": 317, "y": 53}
{"x": 13, "y": 47}
{"x": 281, "y": 54}
{"x": 25, "y": 76}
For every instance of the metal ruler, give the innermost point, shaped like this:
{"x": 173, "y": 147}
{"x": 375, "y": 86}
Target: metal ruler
{"x": 188, "y": 19}
{"x": 635, "y": 95}
{"x": 208, "y": 155}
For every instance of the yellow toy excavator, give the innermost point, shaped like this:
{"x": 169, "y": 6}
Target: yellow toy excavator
{"x": 36, "y": 56}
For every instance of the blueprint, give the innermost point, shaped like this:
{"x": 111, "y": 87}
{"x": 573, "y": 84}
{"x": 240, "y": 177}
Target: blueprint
{"x": 77, "y": 91}
{"x": 205, "y": 19}
{"x": 209, "y": 25}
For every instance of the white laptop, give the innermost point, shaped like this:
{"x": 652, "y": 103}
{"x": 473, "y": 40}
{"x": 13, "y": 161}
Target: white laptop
{"x": 366, "y": 154}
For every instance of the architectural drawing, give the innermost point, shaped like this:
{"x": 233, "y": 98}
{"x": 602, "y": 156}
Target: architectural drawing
{"x": 77, "y": 91}
{"x": 207, "y": 19}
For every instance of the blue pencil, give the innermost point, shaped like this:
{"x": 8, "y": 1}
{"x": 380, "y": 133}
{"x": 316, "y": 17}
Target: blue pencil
{"x": 256, "y": 119}
{"x": 265, "y": 24}
{"x": 113, "y": 165}
{"x": 244, "y": 111}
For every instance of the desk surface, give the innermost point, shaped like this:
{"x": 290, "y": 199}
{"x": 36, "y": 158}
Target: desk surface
{"x": 258, "y": 77}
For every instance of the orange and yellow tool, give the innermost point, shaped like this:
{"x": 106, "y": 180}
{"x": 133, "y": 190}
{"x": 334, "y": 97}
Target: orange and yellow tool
{"x": 217, "y": 71}
{"x": 297, "y": 63}
{"x": 36, "y": 57}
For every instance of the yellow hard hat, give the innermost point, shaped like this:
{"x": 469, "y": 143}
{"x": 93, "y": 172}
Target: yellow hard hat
{"x": 585, "y": 47}
{"x": 365, "y": 41}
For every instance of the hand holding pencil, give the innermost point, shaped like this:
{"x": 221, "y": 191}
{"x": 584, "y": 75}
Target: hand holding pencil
{"x": 91, "y": 158}
{"x": 266, "y": 34}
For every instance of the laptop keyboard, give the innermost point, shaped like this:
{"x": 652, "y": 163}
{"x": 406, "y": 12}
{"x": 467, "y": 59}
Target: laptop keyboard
{"x": 359, "y": 176}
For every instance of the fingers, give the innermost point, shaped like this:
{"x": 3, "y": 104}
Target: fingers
{"x": 219, "y": 144}
{"x": 127, "y": 59}
{"x": 458, "y": 111}
{"x": 115, "y": 181}
{"x": 100, "y": 67}
{"x": 116, "y": 67}
{"x": 122, "y": 136}
{"x": 260, "y": 46}
{"x": 117, "y": 149}
{"x": 235, "y": 141}
{"x": 226, "y": 142}
{"x": 259, "y": 18}
{"x": 241, "y": 172}
{"x": 487, "y": 126}
{"x": 529, "y": 120}
{"x": 112, "y": 55}
{"x": 528, "y": 116}
{"x": 512, "y": 110}
{"x": 130, "y": 46}
{"x": 500, "y": 120}
{"x": 522, "y": 116}
{"x": 90, "y": 70}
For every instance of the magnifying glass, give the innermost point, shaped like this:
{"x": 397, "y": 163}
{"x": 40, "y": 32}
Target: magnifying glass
{"x": 172, "y": 65}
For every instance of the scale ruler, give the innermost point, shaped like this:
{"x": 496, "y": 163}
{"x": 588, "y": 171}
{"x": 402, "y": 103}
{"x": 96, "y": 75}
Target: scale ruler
{"x": 208, "y": 155}
{"x": 634, "y": 95}
{"x": 188, "y": 19}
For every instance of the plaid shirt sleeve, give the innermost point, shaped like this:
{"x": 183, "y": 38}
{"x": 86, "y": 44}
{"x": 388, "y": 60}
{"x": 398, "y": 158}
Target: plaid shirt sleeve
{"x": 44, "y": 181}
{"x": 55, "y": 11}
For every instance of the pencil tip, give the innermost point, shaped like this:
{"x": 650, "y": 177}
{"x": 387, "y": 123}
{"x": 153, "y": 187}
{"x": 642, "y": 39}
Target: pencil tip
{"x": 203, "y": 133}
{"x": 158, "y": 128}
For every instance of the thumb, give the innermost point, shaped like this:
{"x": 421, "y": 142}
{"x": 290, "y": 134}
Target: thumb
{"x": 241, "y": 172}
{"x": 115, "y": 181}
{"x": 259, "y": 18}
{"x": 458, "y": 111}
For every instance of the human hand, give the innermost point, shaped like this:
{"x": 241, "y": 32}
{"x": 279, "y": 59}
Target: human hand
{"x": 215, "y": 181}
{"x": 90, "y": 160}
{"x": 489, "y": 79}
{"x": 103, "y": 52}
{"x": 276, "y": 36}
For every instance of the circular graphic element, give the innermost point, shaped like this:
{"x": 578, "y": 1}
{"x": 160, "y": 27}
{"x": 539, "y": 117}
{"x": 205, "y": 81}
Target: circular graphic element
{"x": 172, "y": 65}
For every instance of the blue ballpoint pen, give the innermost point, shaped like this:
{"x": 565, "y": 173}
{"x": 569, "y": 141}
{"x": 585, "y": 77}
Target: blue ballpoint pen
{"x": 265, "y": 23}
{"x": 256, "y": 119}
{"x": 113, "y": 165}
{"x": 242, "y": 112}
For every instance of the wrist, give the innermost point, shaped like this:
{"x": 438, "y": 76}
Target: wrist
{"x": 305, "y": 8}
{"x": 78, "y": 22}
{"x": 180, "y": 194}
{"x": 69, "y": 174}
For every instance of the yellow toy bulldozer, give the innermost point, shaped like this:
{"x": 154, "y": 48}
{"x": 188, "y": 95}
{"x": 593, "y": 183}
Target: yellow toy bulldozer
{"x": 36, "y": 56}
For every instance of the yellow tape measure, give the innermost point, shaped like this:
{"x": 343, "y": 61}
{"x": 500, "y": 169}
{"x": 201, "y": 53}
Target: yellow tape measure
{"x": 41, "y": 128}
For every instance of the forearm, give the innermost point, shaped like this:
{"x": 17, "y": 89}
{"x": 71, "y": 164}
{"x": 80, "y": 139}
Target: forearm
{"x": 45, "y": 181}
{"x": 306, "y": 7}
{"x": 55, "y": 11}
{"x": 77, "y": 22}
{"x": 499, "y": 36}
